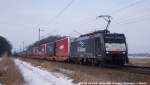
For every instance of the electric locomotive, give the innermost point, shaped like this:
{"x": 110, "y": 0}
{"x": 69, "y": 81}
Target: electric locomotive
{"x": 100, "y": 47}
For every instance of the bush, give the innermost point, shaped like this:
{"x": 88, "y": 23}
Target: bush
{"x": 5, "y": 46}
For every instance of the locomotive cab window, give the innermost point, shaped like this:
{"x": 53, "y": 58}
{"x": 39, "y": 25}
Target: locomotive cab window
{"x": 115, "y": 42}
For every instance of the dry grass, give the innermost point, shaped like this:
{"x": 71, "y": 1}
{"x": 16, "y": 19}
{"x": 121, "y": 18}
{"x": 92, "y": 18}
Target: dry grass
{"x": 80, "y": 73}
{"x": 92, "y": 74}
{"x": 9, "y": 73}
{"x": 143, "y": 62}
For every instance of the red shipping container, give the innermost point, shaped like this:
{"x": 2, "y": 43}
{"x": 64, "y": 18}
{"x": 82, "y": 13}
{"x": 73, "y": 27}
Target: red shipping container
{"x": 62, "y": 47}
{"x": 42, "y": 51}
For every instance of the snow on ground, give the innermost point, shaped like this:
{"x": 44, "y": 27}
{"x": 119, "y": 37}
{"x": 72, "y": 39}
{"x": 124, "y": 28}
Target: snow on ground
{"x": 139, "y": 57}
{"x": 36, "y": 76}
{"x": 66, "y": 71}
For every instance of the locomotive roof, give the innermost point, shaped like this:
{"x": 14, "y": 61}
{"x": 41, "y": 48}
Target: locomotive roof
{"x": 96, "y": 32}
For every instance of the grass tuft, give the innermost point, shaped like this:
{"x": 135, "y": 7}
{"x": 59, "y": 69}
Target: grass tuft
{"x": 9, "y": 73}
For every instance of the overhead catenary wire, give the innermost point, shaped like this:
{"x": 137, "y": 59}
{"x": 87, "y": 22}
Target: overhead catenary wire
{"x": 128, "y": 6}
{"x": 134, "y": 21}
{"x": 112, "y": 13}
{"x": 62, "y": 11}
{"x": 118, "y": 10}
{"x": 59, "y": 14}
{"x": 134, "y": 18}
{"x": 49, "y": 33}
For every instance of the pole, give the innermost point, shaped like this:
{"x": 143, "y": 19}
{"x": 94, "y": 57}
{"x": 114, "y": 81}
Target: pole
{"x": 39, "y": 34}
{"x": 23, "y": 45}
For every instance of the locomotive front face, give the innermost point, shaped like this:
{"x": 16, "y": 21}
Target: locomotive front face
{"x": 115, "y": 48}
{"x": 115, "y": 43}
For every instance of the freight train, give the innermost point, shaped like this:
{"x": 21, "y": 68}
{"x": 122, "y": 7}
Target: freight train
{"x": 95, "y": 48}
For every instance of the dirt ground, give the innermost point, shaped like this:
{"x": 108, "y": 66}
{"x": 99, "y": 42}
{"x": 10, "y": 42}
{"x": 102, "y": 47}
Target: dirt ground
{"x": 83, "y": 74}
{"x": 141, "y": 62}
{"x": 9, "y": 73}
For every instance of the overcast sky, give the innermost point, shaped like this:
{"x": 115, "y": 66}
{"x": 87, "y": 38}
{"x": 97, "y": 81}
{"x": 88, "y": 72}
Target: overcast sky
{"x": 20, "y": 20}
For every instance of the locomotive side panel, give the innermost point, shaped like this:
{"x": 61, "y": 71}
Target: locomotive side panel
{"x": 87, "y": 47}
{"x": 81, "y": 48}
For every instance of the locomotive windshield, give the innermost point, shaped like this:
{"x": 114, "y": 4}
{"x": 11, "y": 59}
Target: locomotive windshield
{"x": 115, "y": 42}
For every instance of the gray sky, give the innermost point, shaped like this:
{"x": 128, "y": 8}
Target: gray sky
{"x": 20, "y": 20}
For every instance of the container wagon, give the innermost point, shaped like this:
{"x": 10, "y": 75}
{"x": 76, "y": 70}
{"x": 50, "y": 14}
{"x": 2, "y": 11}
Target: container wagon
{"x": 35, "y": 51}
{"x": 62, "y": 49}
{"x": 42, "y": 49}
{"x": 50, "y": 49}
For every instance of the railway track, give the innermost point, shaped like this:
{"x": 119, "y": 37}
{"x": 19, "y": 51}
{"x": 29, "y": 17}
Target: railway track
{"x": 131, "y": 68}
{"x": 137, "y": 69}
{"x": 126, "y": 68}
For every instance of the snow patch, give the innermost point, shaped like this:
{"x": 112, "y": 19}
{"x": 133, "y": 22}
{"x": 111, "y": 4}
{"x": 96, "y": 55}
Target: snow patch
{"x": 65, "y": 71}
{"x": 59, "y": 75}
{"x": 139, "y": 57}
{"x": 36, "y": 76}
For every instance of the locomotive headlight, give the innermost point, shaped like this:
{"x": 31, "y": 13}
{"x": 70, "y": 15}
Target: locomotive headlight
{"x": 107, "y": 52}
{"x": 123, "y": 52}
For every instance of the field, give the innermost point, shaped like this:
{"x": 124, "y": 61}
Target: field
{"x": 82, "y": 73}
{"x": 79, "y": 74}
{"x": 140, "y": 61}
{"x": 9, "y": 73}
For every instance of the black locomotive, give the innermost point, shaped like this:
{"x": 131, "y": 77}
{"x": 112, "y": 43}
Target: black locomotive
{"x": 100, "y": 47}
